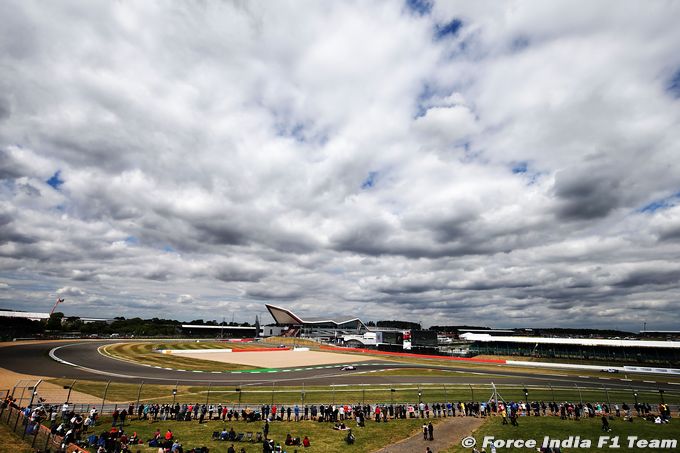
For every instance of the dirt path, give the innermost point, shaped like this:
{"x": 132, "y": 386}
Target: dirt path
{"x": 448, "y": 432}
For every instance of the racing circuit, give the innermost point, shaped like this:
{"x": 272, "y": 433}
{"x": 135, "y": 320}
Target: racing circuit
{"x": 83, "y": 360}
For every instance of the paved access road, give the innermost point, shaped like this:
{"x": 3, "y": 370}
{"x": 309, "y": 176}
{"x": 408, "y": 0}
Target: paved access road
{"x": 87, "y": 363}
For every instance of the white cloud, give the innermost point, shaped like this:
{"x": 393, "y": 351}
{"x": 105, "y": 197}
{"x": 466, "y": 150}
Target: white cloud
{"x": 339, "y": 157}
{"x": 70, "y": 291}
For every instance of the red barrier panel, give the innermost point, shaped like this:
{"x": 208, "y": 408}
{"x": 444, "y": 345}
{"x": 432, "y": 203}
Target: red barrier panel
{"x": 260, "y": 349}
{"x": 412, "y": 355}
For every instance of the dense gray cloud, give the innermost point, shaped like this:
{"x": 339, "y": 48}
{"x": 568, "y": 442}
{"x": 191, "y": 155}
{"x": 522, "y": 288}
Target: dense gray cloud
{"x": 457, "y": 162}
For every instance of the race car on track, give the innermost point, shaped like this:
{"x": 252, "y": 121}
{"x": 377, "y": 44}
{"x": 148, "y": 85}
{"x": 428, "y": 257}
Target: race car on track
{"x": 348, "y": 368}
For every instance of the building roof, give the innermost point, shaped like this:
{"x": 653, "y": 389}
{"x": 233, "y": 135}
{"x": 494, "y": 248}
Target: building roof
{"x": 485, "y": 338}
{"x": 24, "y": 314}
{"x": 202, "y": 326}
{"x": 283, "y": 316}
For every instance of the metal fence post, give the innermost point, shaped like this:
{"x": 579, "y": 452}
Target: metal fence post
{"x": 580, "y": 397}
{"x": 106, "y": 390}
{"x": 609, "y": 403}
{"x": 207, "y": 398}
{"x": 70, "y": 387}
{"x": 139, "y": 393}
{"x": 16, "y": 422}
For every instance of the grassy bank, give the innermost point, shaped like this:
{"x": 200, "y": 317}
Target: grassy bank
{"x": 10, "y": 442}
{"x": 323, "y": 438}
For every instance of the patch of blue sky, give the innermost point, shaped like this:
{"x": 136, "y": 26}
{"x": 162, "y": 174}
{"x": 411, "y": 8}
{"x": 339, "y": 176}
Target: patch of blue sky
{"x": 132, "y": 240}
{"x": 300, "y": 132}
{"x": 520, "y": 168}
{"x": 296, "y": 131}
{"x": 448, "y": 30}
{"x": 661, "y": 204}
{"x": 420, "y": 7}
{"x": 370, "y": 180}
{"x": 169, "y": 249}
{"x": 55, "y": 181}
{"x": 519, "y": 43}
{"x": 424, "y": 100}
{"x": 524, "y": 170}
{"x": 673, "y": 86}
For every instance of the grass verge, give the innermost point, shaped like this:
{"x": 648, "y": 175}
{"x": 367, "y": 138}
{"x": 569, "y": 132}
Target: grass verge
{"x": 256, "y": 395}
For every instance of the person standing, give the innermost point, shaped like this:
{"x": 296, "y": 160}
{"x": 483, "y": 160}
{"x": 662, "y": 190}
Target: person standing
{"x": 430, "y": 431}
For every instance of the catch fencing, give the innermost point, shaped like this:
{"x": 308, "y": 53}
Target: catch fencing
{"x": 38, "y": 436}
{"x": 109, "y": 396}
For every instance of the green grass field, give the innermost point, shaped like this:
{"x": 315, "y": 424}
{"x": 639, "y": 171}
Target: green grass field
{"x": 539, "y": 427}
{"x": 323, "y": 438}
{"x": 146, "y": 354}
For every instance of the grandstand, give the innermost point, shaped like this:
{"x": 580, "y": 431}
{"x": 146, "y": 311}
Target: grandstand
{"x": 611, "y": 350}
{"x": 323, "y": 328}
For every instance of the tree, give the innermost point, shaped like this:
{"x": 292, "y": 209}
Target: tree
{"x": 54, "y": 323}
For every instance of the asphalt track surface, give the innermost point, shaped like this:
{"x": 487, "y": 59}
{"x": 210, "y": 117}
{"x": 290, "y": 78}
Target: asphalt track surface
{"x": 87, "y": 363}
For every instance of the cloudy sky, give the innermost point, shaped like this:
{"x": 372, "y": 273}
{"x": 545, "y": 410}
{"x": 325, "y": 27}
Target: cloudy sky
{"x": 505, "y": 164}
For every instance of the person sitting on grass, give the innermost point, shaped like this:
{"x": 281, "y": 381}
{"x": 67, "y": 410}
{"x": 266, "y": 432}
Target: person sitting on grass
{"x": 290, "y": 440}
{"x": 224, "y": 434}
{"x": 605, "y": 424}
{"x": 350, "y": 437}
{"x": 305, "y": 442}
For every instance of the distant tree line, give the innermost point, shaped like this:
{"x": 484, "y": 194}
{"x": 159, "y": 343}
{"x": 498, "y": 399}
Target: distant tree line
{"x": 58, "y": 323}
{"x": 406, "y": 325}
